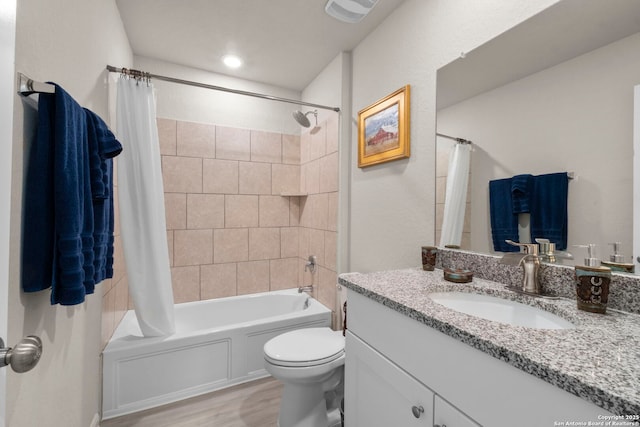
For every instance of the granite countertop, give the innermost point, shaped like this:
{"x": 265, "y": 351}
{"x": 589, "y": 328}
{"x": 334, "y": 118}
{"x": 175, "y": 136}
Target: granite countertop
{"x": 598, "y": 361}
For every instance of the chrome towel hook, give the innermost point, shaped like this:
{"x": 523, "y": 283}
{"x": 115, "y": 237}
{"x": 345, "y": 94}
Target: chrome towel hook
{"x": 24, "y": 356}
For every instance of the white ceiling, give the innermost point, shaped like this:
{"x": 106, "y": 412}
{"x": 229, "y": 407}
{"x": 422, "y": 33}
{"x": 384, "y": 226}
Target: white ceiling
{"x": 282, "y": 42}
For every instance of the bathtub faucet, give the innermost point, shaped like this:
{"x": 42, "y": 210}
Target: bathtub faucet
{"x": 302, "y": 289}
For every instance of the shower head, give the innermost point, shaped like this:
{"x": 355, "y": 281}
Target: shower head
{"x": 302, "y": 117}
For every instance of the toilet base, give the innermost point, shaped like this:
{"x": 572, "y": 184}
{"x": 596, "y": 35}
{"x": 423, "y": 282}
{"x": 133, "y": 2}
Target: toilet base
{"x": 308, "y": 412}
{"x": 334, "y": 419}
{"x": 307, "y": 405}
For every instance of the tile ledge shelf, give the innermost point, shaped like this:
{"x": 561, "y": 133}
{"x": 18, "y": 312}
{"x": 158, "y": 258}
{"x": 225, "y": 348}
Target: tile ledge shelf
{"x": 293, "y": 194}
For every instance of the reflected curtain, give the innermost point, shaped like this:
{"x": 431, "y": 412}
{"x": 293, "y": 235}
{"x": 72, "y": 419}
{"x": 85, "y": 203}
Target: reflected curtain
{"x": 142, "y": 211}
{"x": 456, "y": 195}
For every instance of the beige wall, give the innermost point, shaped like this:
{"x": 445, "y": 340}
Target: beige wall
{"x": 68, "y": 42}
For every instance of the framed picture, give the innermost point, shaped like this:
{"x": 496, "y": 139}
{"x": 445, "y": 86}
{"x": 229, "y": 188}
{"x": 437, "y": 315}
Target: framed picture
{"x": 383, "y": 130}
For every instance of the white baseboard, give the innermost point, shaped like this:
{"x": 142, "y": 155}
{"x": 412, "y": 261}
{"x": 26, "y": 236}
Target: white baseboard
{"x": 95, "y": 422}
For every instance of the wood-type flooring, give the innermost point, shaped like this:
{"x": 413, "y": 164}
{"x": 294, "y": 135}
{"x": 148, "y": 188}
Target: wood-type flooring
{"x": 253, "y": 404}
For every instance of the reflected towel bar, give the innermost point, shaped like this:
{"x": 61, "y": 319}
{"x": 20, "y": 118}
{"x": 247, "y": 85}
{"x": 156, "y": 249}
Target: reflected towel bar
{"x": 28, "y": 86}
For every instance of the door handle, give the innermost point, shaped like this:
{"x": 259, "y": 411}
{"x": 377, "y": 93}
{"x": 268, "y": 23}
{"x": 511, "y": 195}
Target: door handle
{"x": 24, "y": 356}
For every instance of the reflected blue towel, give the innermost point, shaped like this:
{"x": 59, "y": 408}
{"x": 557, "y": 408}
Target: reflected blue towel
{"x": 549, "y": 211}
{"x": 504, "y": 222}
{"x": 521, "y": 189}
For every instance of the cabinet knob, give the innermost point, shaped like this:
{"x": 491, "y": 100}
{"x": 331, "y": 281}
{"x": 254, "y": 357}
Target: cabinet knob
{"x": 417, "y": 411}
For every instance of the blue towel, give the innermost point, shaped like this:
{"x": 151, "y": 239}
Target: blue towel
{"x": 549, "y": 211}
{"x": 54, "y": 202}
{"x": 38, "y": 210}
{"x": 73, "y": 257}
{"x": 504, "y": 222}
{"x": 59, "y": 238}
{"x": 102, "y": 147}
{"x": 521, "y": 189}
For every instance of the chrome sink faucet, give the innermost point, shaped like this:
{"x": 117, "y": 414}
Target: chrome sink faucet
{"x": 531, "y": 280}
{"x": 530, "y": 263}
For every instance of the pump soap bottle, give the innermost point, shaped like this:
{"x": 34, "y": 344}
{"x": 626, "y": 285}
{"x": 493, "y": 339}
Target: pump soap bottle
{"x": 616, "y": 260}
{"x": 592, "y": 282}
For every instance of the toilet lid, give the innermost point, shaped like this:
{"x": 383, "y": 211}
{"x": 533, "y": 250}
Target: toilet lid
{"x": 305, "y": 347}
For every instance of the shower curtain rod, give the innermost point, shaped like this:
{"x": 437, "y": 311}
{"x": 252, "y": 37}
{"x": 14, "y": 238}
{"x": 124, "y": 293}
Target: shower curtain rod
{"x": 144, "y": 75}
{"x": 458, "y": 140}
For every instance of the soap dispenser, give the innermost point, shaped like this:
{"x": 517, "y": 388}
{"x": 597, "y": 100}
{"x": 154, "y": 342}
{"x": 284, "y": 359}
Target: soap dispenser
{"x": 592, "y": 282}
{"x": 616, "y": 260}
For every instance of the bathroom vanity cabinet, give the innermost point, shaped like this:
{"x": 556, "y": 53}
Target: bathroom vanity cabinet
{"x": 381, "y": 394}
{"x": 399, "y": 371}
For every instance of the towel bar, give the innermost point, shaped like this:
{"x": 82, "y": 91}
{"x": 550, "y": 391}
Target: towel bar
{"x": 28, "y": 86}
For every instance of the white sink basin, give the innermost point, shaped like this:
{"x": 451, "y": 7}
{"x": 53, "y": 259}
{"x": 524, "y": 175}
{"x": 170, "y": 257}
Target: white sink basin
{"x": 500, "y": 310}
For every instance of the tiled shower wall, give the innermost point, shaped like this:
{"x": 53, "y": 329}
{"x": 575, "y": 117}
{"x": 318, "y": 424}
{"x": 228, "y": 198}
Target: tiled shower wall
{"x": 229, "y": 230}
{"x": 115, "y": 299}
{"x": 319, "y": 209}
{"x": 244, "y": 210}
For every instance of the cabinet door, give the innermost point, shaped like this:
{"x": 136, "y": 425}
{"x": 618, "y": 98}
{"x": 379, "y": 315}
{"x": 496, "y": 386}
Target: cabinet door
{"x": 445, "y": 415}
{"x": 378, "y": 393}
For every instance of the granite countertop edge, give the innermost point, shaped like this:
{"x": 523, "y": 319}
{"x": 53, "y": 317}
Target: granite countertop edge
{"x": 600, "y": 396}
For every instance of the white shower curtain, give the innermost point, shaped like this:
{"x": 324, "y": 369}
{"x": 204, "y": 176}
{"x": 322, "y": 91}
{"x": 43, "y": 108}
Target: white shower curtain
{"x": 142, "y": 215}
{"x": 456, "y": 195}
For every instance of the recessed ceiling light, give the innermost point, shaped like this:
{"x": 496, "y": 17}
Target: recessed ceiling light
{"x": 232, "y": 61}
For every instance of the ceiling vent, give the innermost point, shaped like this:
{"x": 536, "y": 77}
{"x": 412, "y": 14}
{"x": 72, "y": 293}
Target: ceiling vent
{"x": 350, "y": 11}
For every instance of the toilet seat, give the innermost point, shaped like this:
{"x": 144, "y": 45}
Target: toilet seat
{"x": 305, "y": 347}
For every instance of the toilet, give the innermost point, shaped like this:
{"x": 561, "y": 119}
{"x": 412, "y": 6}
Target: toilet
{"x": 310, "y": 364}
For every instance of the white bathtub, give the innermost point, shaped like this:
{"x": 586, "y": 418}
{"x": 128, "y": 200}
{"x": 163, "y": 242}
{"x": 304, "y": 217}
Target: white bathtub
{"x": 218, "y": 343}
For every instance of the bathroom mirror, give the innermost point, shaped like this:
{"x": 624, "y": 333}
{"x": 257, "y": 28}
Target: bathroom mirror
{"x": 553, "y": 94}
